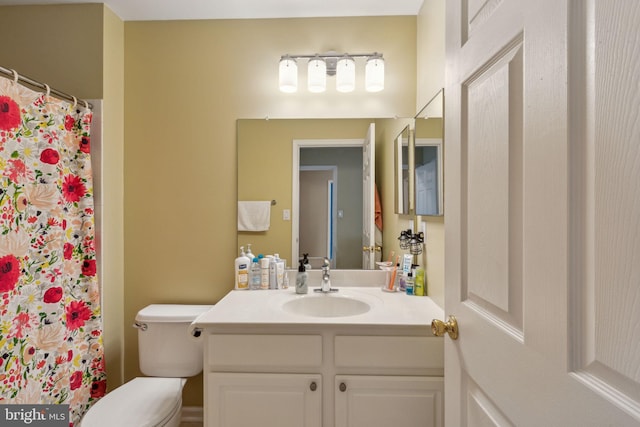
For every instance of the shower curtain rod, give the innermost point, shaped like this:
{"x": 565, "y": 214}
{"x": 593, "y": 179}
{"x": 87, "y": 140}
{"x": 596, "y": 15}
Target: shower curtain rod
{"x": 58, "y": 94}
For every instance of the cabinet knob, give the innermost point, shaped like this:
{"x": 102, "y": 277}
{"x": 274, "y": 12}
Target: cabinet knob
{"x": 343, "y": 387}
{"x": 313, "y": 386}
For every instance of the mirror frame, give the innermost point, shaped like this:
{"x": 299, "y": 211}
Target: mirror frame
{"x": 433, "y": 109}
{"x": 402, "y": 167}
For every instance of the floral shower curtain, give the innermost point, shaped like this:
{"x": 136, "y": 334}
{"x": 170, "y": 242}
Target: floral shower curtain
{"x": 51, "y": 348}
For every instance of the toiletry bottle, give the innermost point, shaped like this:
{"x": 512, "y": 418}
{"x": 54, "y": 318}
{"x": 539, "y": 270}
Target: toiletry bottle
{"x": 249, "y": 254}
{"x": 242, "y": 270}
{"x": 402, "y": 281}
{"x": 419, "y": 282}
{"x": 255, "y": 274}
{"x": 301, "y": 279}
{"x": 410, "y": 283}
{"x": 264, "y": 273}
{"x": 280, "y": 271}
{"x": 273, "y": 272}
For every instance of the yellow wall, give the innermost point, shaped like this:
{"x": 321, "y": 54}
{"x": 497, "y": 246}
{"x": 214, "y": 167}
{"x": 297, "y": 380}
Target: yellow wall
{"x": 113, "y": 195}
{"x": 78, "y": 49}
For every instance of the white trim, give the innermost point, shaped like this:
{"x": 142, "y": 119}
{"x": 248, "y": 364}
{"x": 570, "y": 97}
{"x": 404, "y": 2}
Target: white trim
{"x": 192, "y": 414}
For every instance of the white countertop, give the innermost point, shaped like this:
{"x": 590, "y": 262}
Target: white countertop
{"x": 246, "y": 308}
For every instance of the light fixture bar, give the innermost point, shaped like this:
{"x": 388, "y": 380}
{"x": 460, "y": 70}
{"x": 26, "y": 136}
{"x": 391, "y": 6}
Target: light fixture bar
{"x": 332, "y": 63}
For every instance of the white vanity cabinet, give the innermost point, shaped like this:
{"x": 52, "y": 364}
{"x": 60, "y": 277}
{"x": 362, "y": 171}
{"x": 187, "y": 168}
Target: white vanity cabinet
{"x": 331, "y": 376}
{"x": 252, "y": 399}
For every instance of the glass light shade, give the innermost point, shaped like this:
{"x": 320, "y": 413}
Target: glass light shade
{"x": 317, "y": 75}
{"x": 374, "y": 74}
{"x": 288, "y": 75}
{"x": 345, "y": 74}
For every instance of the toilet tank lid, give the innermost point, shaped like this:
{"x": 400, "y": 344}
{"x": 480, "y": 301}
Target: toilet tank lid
{"x": 171, "y": 312}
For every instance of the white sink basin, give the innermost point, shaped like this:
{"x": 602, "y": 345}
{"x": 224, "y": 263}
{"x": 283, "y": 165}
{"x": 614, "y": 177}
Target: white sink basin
{"x": 326, "y": 305}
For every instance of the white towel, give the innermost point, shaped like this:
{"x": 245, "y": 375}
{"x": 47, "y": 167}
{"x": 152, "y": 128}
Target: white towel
{"x": 254, "y": 216}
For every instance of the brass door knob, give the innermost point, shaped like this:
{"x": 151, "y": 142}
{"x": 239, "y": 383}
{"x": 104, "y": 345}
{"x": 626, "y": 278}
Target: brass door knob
{"x": 438, "y": 327}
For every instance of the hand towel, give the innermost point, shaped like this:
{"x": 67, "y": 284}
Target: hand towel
{"x": 254, "y": 215}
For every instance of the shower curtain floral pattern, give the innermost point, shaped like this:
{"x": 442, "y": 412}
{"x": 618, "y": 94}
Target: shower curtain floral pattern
{"x": 51, "y": 348}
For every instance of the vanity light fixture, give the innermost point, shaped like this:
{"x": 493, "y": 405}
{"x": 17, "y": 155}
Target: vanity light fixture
{"x": 342, "y": 66}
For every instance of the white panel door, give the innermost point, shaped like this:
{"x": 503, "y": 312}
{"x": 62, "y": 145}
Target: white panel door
{"x": 543, "y": 213}
{"x": 368, "y": 198}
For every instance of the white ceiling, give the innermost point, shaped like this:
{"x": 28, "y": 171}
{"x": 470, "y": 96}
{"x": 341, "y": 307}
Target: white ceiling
{"x": 146, "y": 10}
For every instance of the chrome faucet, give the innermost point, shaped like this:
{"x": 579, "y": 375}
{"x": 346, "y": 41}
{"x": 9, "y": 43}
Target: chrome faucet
{"x": 325, "y": 287}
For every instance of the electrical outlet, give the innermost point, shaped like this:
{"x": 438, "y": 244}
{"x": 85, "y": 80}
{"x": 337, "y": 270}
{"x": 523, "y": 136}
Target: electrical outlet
{"x": 286, "y": 215}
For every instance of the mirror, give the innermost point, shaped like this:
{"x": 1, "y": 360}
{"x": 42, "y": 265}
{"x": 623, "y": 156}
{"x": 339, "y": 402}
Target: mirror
{"x": 403, "y": 186}
{"x": 428, "y": 158}
{"x": 266, "y": 151}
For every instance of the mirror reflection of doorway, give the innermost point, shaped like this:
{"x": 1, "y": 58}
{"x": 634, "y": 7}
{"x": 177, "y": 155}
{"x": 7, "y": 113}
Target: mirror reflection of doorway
{"x": 318, "y": 213}
{"x": 346, "y": 247}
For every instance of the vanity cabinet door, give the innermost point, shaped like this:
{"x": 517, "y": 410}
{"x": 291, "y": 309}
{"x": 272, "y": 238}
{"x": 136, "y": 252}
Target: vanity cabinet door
{"x": 382, "y": 401}
{"x": 266, "y": 400}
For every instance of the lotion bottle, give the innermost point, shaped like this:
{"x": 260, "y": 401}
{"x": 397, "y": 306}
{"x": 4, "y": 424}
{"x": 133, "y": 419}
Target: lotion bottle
{"x": 301, "y": 280}
{"x": 242, "y": 270}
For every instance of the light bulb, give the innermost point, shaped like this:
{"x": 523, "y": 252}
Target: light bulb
{"x": 288, "y": 74}
{"x": 317, "y": 75}
{"x": 374, "y": 74}
{"x": 345, "y": 74}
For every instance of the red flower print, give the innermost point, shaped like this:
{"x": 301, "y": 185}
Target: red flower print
{"x": 15, "y": 169}
{"x": 68, "y": 250}
{"x": 85, "y": 144}
{"x": 89, "y": 267}
{"x": 98, "y": 389}
{"x": 9, "y": 113}
{"x": 76, "y": 380}
{"x": 69, "y": 122}
{"x": 77, "y": 314}
{"x": 21, "y": 322}
{"x": 9, "y": 272}
{"x": 49, "y": 156}
{"x": 73, "y": 189}
{"x": 53, "y": 295}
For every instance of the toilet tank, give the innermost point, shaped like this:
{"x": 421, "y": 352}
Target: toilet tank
{"x": 165, "y": 346}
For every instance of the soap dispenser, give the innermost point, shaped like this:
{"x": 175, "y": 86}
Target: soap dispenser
{"x": 301, "y": 279}
{"x": 305, "y": 261}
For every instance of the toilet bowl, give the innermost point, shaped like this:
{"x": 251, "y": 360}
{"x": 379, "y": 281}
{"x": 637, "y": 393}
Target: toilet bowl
{"x": 168, "y": 354}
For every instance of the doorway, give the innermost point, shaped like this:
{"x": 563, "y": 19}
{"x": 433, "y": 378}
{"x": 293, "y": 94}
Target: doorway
{"x": 338, "y": 231}
{"x": 318, "y": 213}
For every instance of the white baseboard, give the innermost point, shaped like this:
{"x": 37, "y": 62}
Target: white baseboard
{"x": 192, "y": 414}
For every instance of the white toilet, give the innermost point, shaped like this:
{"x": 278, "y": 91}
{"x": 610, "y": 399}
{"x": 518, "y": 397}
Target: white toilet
{"x": 168, "y": 354}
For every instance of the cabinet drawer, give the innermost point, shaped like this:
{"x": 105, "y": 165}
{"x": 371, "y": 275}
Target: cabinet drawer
{"x": 264, "y": 351}
{"x": 389, "y": 352}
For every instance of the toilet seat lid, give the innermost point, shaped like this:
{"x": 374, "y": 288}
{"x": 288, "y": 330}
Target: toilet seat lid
{"x": 142, "y": 402}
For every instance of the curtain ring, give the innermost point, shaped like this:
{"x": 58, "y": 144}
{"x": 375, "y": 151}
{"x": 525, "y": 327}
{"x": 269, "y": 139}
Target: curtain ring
{"x": 75, "y": 103}
{"x": 16, "y": 76}
{"x": 48, "y": 89}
